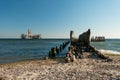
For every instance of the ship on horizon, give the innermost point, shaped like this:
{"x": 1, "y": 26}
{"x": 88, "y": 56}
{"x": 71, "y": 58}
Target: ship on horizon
{"x": 97, "y": 38}
{"x": 29, "y": 35}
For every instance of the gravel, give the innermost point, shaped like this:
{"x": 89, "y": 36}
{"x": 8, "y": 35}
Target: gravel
{"x": 81, "y": 69}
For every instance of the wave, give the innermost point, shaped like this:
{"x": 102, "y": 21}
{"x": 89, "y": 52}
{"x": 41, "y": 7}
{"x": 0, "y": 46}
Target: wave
{"x": 108, "y": 51}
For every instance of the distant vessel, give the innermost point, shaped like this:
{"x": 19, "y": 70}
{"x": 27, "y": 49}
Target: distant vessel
{"x": 29, "y": 35}
{"x": 98, "y": 38}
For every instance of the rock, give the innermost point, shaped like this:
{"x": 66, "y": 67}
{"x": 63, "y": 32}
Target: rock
{"x": 72, "y": 59}
{"x": 70, "y": 55}
{"x": 67, "y": 59}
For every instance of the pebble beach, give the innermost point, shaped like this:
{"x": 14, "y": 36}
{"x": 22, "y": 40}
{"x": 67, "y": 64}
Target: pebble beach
{"x": 57, "y": 69}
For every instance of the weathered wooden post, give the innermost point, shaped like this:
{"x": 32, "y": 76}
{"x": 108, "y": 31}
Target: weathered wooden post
{"x": 53, "y": 52}
{"x": 57, "y": 50}
{"x": 60, "y": 48}
{"x": 71, "y": 36}
{"x": 50, "y": 55}
{"x": 63, "y": 46}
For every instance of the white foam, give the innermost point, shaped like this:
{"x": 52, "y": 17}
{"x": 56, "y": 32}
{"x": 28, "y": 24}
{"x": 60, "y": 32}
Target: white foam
{"x": 108, "y": 51}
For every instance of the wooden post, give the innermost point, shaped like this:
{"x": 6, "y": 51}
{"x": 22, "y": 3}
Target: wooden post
{"x": 53, "y": 52}
{"x": 57, "y": 50}
{"x": 50, "y": 55}
{"x": 60, "y": 48}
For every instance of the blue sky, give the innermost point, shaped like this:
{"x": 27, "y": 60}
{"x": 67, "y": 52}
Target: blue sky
{"x": 55, "y": 18}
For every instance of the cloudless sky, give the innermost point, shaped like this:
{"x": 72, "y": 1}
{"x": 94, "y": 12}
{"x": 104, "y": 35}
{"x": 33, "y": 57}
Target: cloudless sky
{"x": 55, "y": 18}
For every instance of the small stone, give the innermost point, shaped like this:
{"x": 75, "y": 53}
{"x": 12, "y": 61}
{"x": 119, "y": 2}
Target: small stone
{"x": 67, "y": 59}
{"x": 73, "y": 58}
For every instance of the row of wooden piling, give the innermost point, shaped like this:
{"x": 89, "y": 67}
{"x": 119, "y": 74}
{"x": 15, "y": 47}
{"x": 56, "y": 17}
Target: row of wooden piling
{"x": 56, "y": 50}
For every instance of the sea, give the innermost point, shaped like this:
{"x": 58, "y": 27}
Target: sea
{"x": 14, "y": 50}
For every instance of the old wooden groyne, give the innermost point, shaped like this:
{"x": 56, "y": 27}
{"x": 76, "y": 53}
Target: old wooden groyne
{"x": 56, "y": 50}
{"x": 80, "y": 48}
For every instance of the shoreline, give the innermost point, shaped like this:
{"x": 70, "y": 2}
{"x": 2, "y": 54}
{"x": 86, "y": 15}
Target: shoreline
{"x": 56, "y": 69}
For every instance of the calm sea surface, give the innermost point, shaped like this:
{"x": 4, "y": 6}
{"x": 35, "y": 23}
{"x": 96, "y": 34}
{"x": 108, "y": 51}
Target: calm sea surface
{"x": 109, "y": 46}
{"x": 12, "y": 50}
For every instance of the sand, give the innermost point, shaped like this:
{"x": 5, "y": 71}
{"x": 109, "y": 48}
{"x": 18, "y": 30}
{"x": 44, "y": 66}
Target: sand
{"x": 81, "y": 69}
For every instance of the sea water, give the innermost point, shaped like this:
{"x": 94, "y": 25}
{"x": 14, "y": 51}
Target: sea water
{"x": 12, "y": 50}
{"x": 110, "y": 46}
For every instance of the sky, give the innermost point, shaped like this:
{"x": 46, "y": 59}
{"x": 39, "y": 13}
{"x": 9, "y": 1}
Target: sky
{"x": 56, "y": 18}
